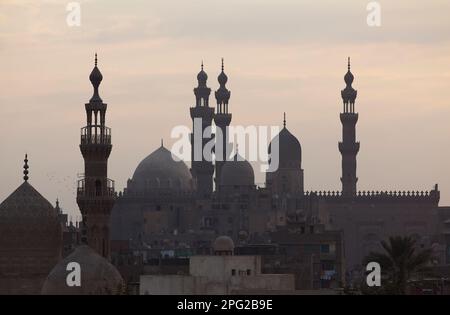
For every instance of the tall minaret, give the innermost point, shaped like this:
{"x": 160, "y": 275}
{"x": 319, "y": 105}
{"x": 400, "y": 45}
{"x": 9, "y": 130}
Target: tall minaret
{"x": 222, "y": 120}
{"x": 349, "y": 147}
{"x": 202, "y": 115}
{"x": 96, "y": 195}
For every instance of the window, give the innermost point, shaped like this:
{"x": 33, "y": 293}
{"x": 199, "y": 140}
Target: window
{"x": 249, "y": 272}
{"x": 325, "y": 248}
{"x": 233, "y": 272}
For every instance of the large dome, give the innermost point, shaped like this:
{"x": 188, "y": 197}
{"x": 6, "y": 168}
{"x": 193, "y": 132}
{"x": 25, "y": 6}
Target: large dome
{"x": 30, "y": 242}
{"x": 98, "y": 276}
{"x": 237, "y": 172}
{"x": 160, "y": 172}
{"x": 290, "y": 150}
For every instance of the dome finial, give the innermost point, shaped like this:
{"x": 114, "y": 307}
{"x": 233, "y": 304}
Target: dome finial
{"x": 96, "y": 60}
{"x": 57, "y": 208}
{"x": 284, "y": 119}
{"x": 162, "y": 142}
{"x": 25, "y": 168}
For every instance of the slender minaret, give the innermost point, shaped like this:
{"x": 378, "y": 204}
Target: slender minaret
{"x": 202, "y": 115}
{"x": 222, "y": 120}
{"x": 349, "y": 147}
{"x": 96, "y": 195}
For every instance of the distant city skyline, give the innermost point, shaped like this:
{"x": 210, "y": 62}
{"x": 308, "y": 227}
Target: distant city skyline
{"x": 287, "y": 56}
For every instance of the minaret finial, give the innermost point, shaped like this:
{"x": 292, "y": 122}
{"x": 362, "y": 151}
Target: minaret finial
{"x": 202, "y": 64}
{"x": 284, "y": 119}
{"x": 25, "y": 168}
{"x": 96, "y": 59}
{"x": 348, "y": 63}
{"x": 223, "y": 67}
{"x": 162, "y": 142}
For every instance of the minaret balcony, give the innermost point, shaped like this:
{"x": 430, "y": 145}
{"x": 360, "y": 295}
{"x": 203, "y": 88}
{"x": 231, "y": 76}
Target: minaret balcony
{"x": 349, "y": 147}
{"x": 96, "y": 134}
{"x": 96, "y": 189}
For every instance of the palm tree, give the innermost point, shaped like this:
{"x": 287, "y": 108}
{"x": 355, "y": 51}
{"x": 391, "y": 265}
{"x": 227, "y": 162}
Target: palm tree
{"x": 401, "y": 260}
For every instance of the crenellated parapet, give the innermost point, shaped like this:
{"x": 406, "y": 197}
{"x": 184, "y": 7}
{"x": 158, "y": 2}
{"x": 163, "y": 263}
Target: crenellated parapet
{"x": 388, "y": 196}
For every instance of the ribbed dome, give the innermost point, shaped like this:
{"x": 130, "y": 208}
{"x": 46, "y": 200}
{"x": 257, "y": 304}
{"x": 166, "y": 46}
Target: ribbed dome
{"x": 290, "y": 150}
{"x": 31, "y": 237}
{"x": 237, "y": 172}
{"x": 159, "y": 171}
{"x": 98, "y": 276}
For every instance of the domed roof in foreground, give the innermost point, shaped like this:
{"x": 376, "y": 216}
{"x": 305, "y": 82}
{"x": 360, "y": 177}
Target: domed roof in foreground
{"x": 159, "y": 171}
{"x": 30, "y": 241}
{"x": 26, "y": 201}
{"x": 98, "y": 276}
{"x": 29, "y": 222}
{"x": 237, "y": 172}
{"x": 290, "y": 150}
{"x": 223, "y": 244}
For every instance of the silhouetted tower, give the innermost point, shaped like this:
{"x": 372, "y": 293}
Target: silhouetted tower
{"x": 222, "y": 120}
{"x": 349, "y": 147}
{"x": 96, "y": 195}
{"x": 202, "y": 115}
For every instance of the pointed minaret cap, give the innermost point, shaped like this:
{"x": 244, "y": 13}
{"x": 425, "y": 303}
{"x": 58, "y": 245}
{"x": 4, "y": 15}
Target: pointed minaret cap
{"x": 348, "y": 78}
{"x": 96, "y": 78}
{"x": 202, "y": 77}
{"x": 223, "y": 78}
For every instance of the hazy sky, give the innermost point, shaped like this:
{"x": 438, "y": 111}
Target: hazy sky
{"x": 283, "y": 55}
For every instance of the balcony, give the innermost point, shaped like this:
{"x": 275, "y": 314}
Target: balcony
{"x": 96, "y": 189}
{"x": 96, "y": 134}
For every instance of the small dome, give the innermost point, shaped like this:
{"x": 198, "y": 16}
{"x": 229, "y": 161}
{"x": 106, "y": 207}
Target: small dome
{"x": 290, "y": 150}
{"x": 223, "y": 244}
{"x": 222, "y": 78}
{"x": 202, "y": 77}
{"x": 96, "y": 76}
{"x": 237, "y": 172}
{"x": 348, "y": 78}
{"x": 98, "y": 276}
{"x": 159, "y": 171}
